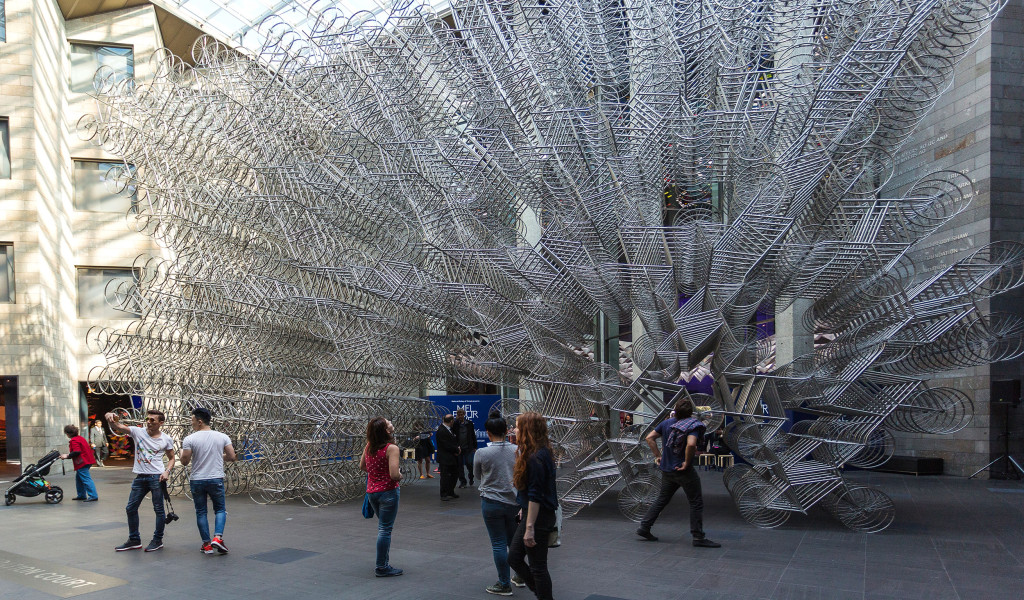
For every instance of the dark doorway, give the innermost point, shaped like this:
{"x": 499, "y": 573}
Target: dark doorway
{"x": 94, "y": 405}
{"x": 10, "y": 435}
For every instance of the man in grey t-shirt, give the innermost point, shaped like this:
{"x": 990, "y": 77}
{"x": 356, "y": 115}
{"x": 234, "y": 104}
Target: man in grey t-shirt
{"x": 207, "y": 450}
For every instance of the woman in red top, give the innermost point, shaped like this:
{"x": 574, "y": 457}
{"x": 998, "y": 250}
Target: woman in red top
{"x": 380, "y": 461}
{"x": 83, "y": 458}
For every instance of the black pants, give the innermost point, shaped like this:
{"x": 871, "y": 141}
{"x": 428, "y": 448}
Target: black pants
{"x": 535, "y": 574}
{"x": 449, "y": 475}
{"x": 670, "y": 482}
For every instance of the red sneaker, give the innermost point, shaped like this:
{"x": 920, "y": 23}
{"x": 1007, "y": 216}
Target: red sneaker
{"x": 218, "y": 543}
{"x": 207, "y": 548}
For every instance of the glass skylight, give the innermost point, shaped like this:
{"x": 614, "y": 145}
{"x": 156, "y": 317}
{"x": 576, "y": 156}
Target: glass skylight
{"x": 236, "y": 21}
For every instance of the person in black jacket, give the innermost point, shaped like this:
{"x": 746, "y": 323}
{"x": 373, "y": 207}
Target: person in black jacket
{"x": 448, "y": 452}
{"x": 465, "y": 432}
{"x": 534, "y": 479}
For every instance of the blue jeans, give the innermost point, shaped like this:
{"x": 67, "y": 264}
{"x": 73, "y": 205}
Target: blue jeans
{"x": 142, "y": 485}
{"x": 214, "y": 489}
{"x": 500, "y": 521}
{"x": 84, "y": 485}
{"x": 466, "y": 460}
{"x": 385, "y": 506}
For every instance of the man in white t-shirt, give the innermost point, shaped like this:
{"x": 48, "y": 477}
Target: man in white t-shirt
{"x": 207, "y": 450}
{"x": 151, "y": 446}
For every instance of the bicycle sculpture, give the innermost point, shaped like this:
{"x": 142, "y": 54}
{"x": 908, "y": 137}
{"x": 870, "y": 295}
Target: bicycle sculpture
{"x": 378, "y": 204}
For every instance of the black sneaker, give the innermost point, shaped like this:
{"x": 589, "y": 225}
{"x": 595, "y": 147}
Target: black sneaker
{"x": 154, "y": 545}
{"x": 387, "y": 572}
{"x": 647, "y": 535}
{"x": 129, "y": 545}
{"x": 499, "y": 590}
{"x": 518, "y": 581}
{"x": 705, "y": 543}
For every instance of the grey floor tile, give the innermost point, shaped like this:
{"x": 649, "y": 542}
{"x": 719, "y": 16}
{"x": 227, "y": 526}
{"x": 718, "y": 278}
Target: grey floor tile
{"x": 834, "y": 578}
{"x": 895, "y": 572}
{"x": 701, "y": 594}
{"x": 992, "y": 568}
{"x": 103, "y": 526}
{"x": 282, "y": 556}
{"x": 909, "y": 590}
{"x": 789, "y": 591}
{"x": 811, "y": 556}
{"x": 992, "y": 591}
{"x": 731, "y": 584}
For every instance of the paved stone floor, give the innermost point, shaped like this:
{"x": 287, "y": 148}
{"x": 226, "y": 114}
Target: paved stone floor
{"x": 953, "y": 538}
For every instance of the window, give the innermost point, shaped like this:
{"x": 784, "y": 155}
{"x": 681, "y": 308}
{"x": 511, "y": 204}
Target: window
{"x": 5, "y": 149}
{"x": 6, "y": 273}
{"x": 104, "y": 187}
{"x": 102, "y": 292}
{"x": 116, "y": 62}
{"x": 3, "y": 23}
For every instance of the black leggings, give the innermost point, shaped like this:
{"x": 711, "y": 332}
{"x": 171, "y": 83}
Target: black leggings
{"x": 535, "y": 574}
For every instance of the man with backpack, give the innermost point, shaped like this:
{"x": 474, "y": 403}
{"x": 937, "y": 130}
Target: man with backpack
{"x": 676, "y": 461}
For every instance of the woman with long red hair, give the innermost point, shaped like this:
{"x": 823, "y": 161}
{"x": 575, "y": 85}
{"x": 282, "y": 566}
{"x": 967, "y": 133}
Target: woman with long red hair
{"x": 380, "y": 461}
{"x": 534, "y": 479}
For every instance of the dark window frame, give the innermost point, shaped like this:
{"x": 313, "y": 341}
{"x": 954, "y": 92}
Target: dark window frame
{"x": 8, "y": 266}
{"x": 5, "y": 148}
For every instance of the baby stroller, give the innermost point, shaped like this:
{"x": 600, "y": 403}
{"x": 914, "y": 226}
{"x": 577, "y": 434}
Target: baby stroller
{"x": 31, "y": 483}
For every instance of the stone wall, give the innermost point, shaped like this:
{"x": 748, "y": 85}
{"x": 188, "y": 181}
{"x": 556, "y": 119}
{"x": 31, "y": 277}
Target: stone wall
{"x": 33, "y": 213}
{"x": 971, "y": 130}
{"x": 1007, "y": 197}
{"x": 41, "y": 336}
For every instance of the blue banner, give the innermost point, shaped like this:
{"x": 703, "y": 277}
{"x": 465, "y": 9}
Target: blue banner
{"x": 476, "y": 407}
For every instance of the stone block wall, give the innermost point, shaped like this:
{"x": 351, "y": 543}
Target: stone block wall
{"x": 1007, "y": 200}
{"x": 975, "y": 128}
{"x": 41, "y": 336}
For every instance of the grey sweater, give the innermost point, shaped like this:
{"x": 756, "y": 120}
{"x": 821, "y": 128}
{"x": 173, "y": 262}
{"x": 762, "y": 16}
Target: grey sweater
{"x": 492, "y": 469}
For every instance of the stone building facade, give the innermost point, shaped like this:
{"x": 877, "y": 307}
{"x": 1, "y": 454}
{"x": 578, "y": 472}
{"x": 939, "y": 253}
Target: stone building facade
{"x": 63, "y": 227}
{"x": 976, "y": 128}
